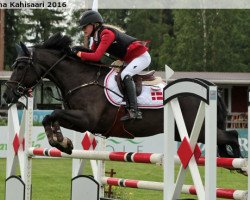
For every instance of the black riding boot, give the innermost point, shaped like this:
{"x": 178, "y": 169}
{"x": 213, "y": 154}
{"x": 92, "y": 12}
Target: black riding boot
{"x": 133, "y": 112}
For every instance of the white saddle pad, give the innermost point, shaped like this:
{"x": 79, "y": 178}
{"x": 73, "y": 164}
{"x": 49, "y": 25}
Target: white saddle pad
{"x": 151, "y": 96}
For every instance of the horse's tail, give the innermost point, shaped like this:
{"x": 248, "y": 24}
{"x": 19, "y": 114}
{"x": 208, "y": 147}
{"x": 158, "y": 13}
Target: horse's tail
{"x": 221, "y": 112}
{"x": 221, "y": 107}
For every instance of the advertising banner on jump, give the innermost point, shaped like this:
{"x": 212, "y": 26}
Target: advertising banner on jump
{"x": 152, "y": 144}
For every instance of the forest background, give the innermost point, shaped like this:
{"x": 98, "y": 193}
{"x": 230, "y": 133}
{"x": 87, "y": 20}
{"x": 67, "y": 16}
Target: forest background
{"x": 186, "y": 40}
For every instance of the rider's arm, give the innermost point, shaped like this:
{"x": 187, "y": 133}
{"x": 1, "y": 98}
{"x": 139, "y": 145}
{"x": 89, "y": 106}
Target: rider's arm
{"x": 107, "y": 37}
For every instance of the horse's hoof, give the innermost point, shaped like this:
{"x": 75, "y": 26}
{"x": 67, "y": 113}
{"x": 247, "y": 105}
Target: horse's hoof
{"x": 242, "y": 172}
{"x": 59, "y": 147}
{"x": 66, "y": 148}
{"x": 52, "y": 142}
{"x": 70, "y": 146}
{"x": 68, "y": 151}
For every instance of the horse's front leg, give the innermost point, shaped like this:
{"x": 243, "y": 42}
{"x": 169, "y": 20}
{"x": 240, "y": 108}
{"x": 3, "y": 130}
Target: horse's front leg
{"x": 71, "y": 119}
{"x": 55, "y": 137}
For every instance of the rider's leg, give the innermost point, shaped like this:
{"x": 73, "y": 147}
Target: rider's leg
{"x": 134, "y": 67}
{"x": 133, "y": 112}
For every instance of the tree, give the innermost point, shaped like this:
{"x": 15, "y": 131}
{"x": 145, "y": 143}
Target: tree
{"x": 13, "y": 32}
{"x": 33, "y": 26}
{"x": 73, "y": 27}
{"x": 41, "y": 23}
{"x": 208, "y": 40}
{"x": 149, "y": 25}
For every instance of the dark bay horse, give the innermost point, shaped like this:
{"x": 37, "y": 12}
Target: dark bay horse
{"x": 86, "y": 107}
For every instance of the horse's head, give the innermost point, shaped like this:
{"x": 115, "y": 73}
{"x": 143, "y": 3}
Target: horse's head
{"x": 23, "y": 77}
{"x": 32, "y": 65}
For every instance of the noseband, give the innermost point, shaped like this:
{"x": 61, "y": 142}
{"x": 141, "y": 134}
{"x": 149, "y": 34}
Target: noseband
{"x": 21, "y": 90}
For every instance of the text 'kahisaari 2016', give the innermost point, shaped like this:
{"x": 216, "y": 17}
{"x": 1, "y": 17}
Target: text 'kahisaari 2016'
{"x": 28, "y": 4}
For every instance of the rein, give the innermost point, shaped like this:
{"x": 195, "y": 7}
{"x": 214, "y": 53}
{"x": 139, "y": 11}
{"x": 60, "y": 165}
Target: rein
{"x": 48, "y": 71}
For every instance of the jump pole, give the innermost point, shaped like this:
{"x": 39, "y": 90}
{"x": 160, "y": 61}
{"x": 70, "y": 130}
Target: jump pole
{"x": 186, "y": 189}
{"x": 154, "y": 158}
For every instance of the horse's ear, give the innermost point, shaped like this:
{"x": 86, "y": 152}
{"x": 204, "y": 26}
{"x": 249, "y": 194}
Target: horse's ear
{"x": 18, "y": 49}
{"x": 25, "y": 49}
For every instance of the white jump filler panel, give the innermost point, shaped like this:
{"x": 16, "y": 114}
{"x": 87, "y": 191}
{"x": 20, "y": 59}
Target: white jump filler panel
{"x": 172, "y": 114}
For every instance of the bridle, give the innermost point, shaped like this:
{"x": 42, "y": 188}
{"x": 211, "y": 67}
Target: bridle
{"x": 21, "y": 90}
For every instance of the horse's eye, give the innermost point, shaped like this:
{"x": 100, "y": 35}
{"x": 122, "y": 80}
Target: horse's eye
{"x": 21, "y": 67}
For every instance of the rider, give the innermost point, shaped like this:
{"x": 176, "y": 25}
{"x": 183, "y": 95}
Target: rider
{"x": 121, "y": 46}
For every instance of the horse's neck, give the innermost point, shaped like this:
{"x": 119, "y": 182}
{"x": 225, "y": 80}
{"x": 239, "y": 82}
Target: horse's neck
{"x": 68, "y": 73}
{"x": 69, "y": 76}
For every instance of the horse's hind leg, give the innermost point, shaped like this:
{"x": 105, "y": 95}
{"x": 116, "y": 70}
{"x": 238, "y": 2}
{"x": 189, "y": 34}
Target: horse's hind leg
{"x": 228, "y": 139}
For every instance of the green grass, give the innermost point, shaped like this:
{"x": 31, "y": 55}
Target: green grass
{"x": 51, "y": 179}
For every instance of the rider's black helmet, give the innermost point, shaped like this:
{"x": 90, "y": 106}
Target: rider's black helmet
{"x": 90, "y": 17}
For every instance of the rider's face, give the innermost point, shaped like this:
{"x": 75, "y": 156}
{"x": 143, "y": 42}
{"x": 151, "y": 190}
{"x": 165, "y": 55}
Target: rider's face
{"x": 88, "y": 29}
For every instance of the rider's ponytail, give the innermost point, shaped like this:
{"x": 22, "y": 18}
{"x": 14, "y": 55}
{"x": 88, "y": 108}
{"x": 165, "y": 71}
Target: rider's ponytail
{"x": 114, "y": 27}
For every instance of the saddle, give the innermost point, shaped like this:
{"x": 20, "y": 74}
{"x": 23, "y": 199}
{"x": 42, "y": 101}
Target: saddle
{"x": 138, "y": 79}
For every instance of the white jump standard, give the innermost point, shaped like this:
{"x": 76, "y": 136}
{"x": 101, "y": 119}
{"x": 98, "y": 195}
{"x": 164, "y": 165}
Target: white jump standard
{"x": 172, "y": 114}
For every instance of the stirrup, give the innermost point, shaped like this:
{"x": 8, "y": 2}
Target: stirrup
{"x": 132, "y": 115}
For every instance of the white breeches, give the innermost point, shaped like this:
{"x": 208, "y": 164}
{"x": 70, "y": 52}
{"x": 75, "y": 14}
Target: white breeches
{"x": 136, "y": 65}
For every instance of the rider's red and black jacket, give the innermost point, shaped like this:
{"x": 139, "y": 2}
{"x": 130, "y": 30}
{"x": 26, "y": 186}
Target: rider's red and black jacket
{"x": 116, "y": 43}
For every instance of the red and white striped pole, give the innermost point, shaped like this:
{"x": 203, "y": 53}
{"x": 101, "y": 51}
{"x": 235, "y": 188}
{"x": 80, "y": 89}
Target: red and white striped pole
{"x": 99, "y": 155}
{"x": 154, "y": 158}
{"x": 220, "y": 192}
{"x": 186, "y": 189}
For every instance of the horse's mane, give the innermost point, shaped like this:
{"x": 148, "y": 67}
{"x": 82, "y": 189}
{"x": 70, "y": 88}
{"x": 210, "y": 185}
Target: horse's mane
{"x": 62, "y": 43}
{"x": 57, "y": 42}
